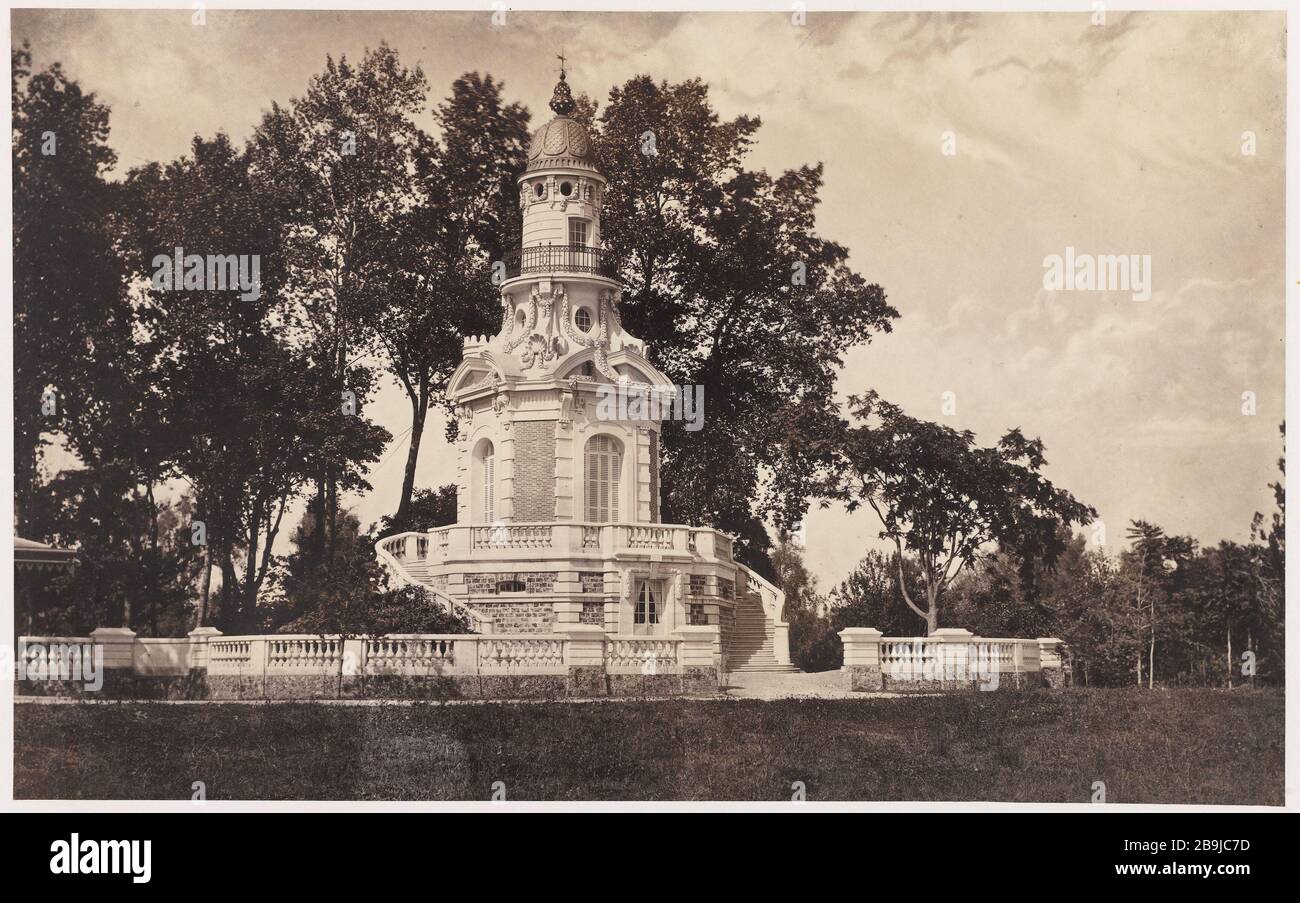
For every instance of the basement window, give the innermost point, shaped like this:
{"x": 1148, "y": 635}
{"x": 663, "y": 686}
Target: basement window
{"x": 511, "y": 585}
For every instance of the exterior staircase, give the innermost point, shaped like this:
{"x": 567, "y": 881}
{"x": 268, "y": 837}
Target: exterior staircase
{"x": 751, "y": 639}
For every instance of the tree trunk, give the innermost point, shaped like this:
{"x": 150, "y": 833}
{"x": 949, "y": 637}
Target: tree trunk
{"x": 229, "y": 609}
{"x": 340, "y": 385}
{"x": 419, "y": 410}
{"x": 1229, "y": 656}
{"x": 316, "y": 550}
{"x": 932, "y": 614}
{"x": 207, "y": 586}
{"x": 331, "y": 501}
{"x": 1250, "y": 646}
{"x": 248, "y": 593}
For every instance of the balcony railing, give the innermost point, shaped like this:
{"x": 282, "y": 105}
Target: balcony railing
{"x": 559, "y": 259}
{"x": 420, "y": 551}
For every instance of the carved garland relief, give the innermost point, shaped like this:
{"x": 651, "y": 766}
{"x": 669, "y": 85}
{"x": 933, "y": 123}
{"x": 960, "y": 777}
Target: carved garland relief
{"x": 548, "y": 321}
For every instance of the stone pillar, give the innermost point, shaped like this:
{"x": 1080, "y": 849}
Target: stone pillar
{"x": 199, "y": 639}
{"x": 641, "y": 464}
{"x": 953, "y": 659}
{"x": 613, "y": 600}
{"x": 862, "y": 658}
{"x": 567, "y": 612}
{"x": 118, "y": 644}
{"x": 1054, "y": 660}
{"x": 504, "y": 448}
{"x": 565, "y": 471}
{"x": 465, "y": 657}
{"x": 567, "y": 583}
{"x": 257, "y": 656}
{"x": 586, "y": 644}
{"x": 463, "y": 510}
{"x": 700, "y": 660}
{"x": 781, "y": 643}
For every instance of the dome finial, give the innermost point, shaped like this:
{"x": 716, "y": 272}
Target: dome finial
{"x": 562, "y": 99}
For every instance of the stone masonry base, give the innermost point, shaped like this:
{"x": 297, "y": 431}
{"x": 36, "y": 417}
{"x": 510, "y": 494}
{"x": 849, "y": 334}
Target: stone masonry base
{"x": 870, "y": 679}
{"x": 581, "y": 682}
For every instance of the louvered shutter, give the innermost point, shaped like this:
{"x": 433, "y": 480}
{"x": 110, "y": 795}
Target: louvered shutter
{"x": 602, "y": 471}
{"x": 489, "y": 485}
{"x": 613, "y": 484}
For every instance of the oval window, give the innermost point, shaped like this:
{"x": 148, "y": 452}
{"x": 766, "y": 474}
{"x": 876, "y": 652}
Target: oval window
{"x": 539, "y": 189}
{"x": 583, "y": 319}
{"x": 566, "y": 188}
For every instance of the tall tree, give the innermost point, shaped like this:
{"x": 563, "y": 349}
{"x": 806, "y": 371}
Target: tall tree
{"x": 1153, "y": 564}
{"x": 256, "y": 408}
{"x": 942, "y": 498}
{"x": 1270, "y": 568}
{"x": 434, "y": 286}
{"x": 71, "y": 317}
{"x": 733, "y": 289}
{"x": 336, "y": 165}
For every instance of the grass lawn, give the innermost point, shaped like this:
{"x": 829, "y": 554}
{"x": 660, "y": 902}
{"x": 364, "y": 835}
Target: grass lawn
{"x": 1177, "y": 746}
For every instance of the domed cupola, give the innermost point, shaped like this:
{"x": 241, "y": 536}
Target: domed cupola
{"x": 560, "y": 290}
{"x": 562, "y": 142}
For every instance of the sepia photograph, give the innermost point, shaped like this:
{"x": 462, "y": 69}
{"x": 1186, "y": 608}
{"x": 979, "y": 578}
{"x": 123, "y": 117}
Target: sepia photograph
{"x": 773, "y": 406}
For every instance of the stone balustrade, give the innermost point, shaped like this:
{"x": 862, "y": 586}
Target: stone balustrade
{"x": 576, "y": 660}
{"x": 950, "y": 658}
{"x": 642, "y": 655}
{"x": 467, "y": 543}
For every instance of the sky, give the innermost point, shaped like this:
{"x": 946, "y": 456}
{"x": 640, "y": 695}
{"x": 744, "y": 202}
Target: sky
{"x": 960, "y": 151}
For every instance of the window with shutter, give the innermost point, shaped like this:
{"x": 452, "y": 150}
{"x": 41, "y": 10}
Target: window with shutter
{"x": 603, "y": 462}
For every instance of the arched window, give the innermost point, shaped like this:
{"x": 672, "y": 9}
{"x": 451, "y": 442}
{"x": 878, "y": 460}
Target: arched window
{"x": 487, "y": 478}
{"x": 603, "y": 466}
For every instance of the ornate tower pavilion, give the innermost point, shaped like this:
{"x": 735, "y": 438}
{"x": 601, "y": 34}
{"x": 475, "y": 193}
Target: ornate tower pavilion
{"x": 558, "y": 525}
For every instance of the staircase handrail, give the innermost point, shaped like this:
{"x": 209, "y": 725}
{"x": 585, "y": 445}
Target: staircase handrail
{"x": 776, "y": 608}
{"x": 480, "y": 623}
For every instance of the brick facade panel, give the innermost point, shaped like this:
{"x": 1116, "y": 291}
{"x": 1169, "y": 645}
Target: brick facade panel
{"x": 534, "y": 471}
